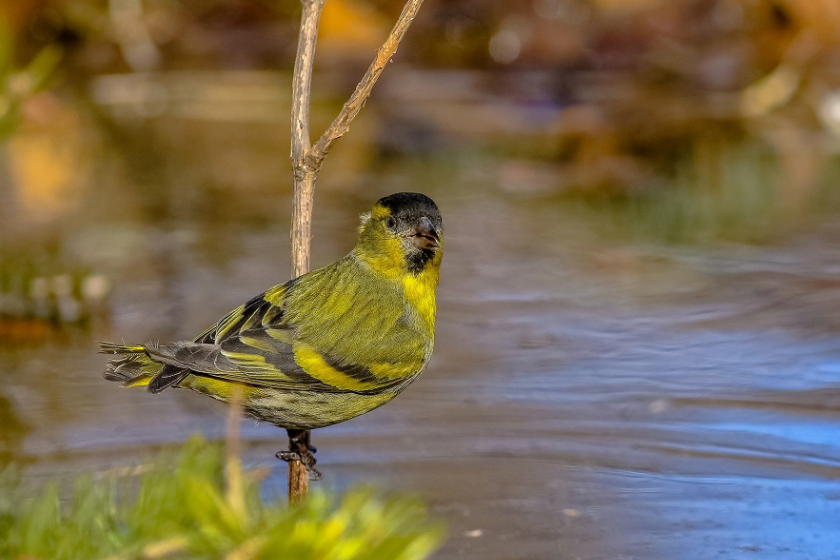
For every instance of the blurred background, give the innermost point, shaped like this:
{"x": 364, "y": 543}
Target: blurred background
{"x": 638, "y": 352}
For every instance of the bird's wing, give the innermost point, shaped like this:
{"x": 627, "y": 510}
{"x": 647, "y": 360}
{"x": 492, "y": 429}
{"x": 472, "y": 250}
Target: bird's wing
{"x": 256, "y": 345}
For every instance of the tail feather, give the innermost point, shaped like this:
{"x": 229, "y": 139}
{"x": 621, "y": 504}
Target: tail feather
{"x": 169, "y": 376}
{"x": 120, "y": 349}
{"x": 132, "y": 366}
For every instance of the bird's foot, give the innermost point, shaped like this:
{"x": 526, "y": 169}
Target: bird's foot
{"x": 288, "y": 456}
{"x": 301, "y": 450}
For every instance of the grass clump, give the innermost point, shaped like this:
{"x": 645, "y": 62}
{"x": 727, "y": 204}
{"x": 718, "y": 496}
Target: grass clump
{"x": 186, "y": 508}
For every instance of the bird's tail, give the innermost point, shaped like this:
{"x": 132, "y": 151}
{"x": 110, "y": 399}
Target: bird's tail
{"x": 131, "y": 365}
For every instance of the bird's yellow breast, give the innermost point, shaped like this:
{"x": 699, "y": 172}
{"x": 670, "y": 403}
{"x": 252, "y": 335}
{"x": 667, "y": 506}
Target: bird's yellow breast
{"x": 418, "y": 288}
{"x": 419, "y": 292}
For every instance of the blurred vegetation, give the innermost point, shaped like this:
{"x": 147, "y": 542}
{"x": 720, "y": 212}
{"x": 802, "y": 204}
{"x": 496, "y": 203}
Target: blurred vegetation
{"x": 32, "y": 304}
{"x": 613, "y": 98}
{"x": 41, "y": 293}
{"x": 21, "y": 81}
{"x": 187, "y": 508}
{"x": 729, "y": 193}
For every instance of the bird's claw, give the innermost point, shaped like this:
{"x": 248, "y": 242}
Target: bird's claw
{"x": 301, "y": 450}
{"x": 307, "y": 461}
{"x": 314, "y": 474}
{"x": 288, "y": 456}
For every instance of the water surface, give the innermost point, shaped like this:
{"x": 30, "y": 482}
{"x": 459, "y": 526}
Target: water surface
{"x": 591, "y": 395}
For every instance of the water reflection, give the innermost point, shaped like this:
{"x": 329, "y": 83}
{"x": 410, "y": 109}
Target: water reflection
{"x": 13, "y": 432}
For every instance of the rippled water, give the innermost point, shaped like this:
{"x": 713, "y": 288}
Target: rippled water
{"x": 589, "y": 397}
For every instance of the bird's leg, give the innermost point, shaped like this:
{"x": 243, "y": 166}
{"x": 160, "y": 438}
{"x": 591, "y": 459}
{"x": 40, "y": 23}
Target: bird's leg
{"x": 309, "y": 445}
{"x": 301, "y": 450}
{"x": 296, "y": 439}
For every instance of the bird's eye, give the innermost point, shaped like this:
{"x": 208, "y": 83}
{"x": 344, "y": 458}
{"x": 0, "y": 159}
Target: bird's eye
{"x": 391, "y": 223}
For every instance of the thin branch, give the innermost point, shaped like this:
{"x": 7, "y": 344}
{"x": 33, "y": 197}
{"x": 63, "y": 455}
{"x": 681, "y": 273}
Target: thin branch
{"x": 341, "y": 124}
{"x": 304, "y": 178}
{"x": 302, "y": 80}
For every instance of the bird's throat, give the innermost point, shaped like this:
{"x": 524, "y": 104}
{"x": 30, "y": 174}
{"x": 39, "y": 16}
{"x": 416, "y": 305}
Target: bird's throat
{"x": 419, "y": 290}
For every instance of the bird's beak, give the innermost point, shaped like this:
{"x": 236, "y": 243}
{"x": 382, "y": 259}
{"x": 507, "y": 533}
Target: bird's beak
{"x": 424, "y": 236}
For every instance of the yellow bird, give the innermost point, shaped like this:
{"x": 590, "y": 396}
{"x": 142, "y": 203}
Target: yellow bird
{"x": 323, "y": 348}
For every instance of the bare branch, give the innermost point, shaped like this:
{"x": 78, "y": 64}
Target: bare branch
{"x": 341, "y": 124}
{"x": 302, "y": 80}
{"x": 304, "y": 177}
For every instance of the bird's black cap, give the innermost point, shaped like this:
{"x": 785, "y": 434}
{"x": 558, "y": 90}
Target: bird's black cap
{"x": 409, "y": 206}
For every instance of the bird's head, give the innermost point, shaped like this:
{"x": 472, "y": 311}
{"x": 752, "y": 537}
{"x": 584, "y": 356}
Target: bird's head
{"x": 402, "y": 233}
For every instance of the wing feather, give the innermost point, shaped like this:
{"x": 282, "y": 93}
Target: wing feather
{"x": 256, "y": 344}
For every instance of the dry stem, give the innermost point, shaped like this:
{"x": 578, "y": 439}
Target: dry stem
{"x": 307, "y": 159}
{"x": 233, "y": 459}
{"x": 357, "y": 100}
{"x": 301, "y": 147}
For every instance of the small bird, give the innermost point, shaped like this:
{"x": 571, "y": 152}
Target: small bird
{"x": 323, "y": 348}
